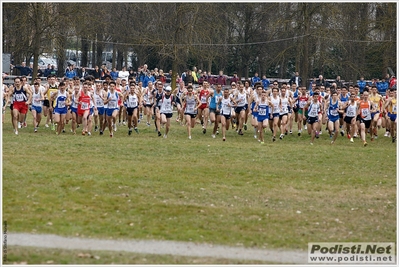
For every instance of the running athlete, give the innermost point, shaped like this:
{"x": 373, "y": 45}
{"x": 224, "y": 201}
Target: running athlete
{"x": 191, "y": 103}
{"x": 203, "y": 110}
{"x": 22, "y": 97}
{"x": 391, "y": 105}
{"x": 378, "y": 103}
{"x": 275, "y": 104}
{"x": 240, "y": 98}
{"x": 285, "y": 106}
{"x": 225, "y": 106}
{"x": 37, "y": 105}
{"x": 99, "y": 97}
{"x": 365, "y": 109}
{"x": 248, "y": 90}
{"x": 262, "y": 110}
{"x": 332, "y": 111}
{"x": 113, "y": 98}
{"x": 147, "y": 101}
{"x": 48, "y": 107}
{"x": 178, "y": 92}
{"x": 133, "y": 102}
{"x": 157, "y": 96}
{"x": 4, "y": 97}
{"x": 61, "y": 99}
{"x": 350, "y": 116}
{"x": 314, "y": 109}
{"x": 74, "y": 107}
{"x": 293, "y": 94}
{"x": 253, "y": 99}
{"x": 214, "y": 115}
{"x": 166, "y": 109}
{"x": 343, "y": 99}
{"x": 84, "y": 100}
{"x": 302, "y": 112}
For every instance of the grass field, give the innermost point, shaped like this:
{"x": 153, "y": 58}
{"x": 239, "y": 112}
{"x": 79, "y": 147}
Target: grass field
{"x": 239, "y": 193}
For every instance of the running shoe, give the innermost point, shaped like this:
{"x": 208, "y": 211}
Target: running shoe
{"x": 46, "y": 125}
{"x": 349, "y": 136}
{"x": 342, "y": 132}
{"x": 24, "y": 124}
{"x": 204, "y": 131}
{"x": 159, "y": 133}
{"x": 189, "y": 137}
{"x": 83, "y": 133}
{"x": 19, "y": 125}
{"x": 111, "y": 135}
{"x": 317, "y": 134}
{"x": 136, "y": 130}
{"x": 386, "y": 134}
{"x": 332, "y": 142}
{"x": 274, "y": 138}
{"x": 262, "y": 143}
{"x": 281, "y": 136}
{"x": 124, "y": 123}
{"x": 255, "y": 136}
{"x": 290, "y": 132}
{"x": 165, "y": 136}
{"x": 352, "y": 140}
{"x": 129, "y": 132}
{"x": 96, "y": 128}
{"x": 286, "y": 132}
{"x": 364, "y": 143}
{"x": 148, "y": 124}
{"x": 299, "y": 133}
{"x": 240, "y": 132}
{"x": 245, "y": 126}
{"x": 89, "y": 133}
{"x": 101, "y": 132}
{"x": 224, "y": 139}
{"x": 306, "y": 127}
{"x": 311, "y": 144}
{"x": 393, "y": 139}
{"x": 115, "y": 127}
{"x": 16, "y": 132}
{"x": 213, "y": 136}
{"x": 35, "y": 130}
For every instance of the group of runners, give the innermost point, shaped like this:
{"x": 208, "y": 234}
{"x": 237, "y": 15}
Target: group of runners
{"x": 111, "y": 103}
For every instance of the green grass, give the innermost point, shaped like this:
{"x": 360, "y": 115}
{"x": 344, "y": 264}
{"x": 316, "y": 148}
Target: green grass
{"x": 280, "y": 195}
{"x": 30, "y": 255}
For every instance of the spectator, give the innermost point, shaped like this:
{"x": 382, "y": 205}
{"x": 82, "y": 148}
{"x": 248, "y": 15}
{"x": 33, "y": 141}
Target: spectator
{"x": 47, "y": 71}
{"x": 188, "y": 78}
{"x": 195, "y": 75}
{"x": 235, "y": 78}
{"x": 338, "y": 81}
{"x": 255, "y": 79}
{"x": 83, "y": 73}
{"x": 97, "y": 73}
{"x": 296, "y": 79}
{"x": 221, "y": 79}
{"x": 40, "y": 73}
{"x": 392, "y": 82}
{"x": 265, "y": 82}
{"x": 322, "y": 82}
{"x": 70, "y": 72}
{"x": 161, "y": 76}
{"x": 123, "y": 74}
{"x": 362, "y": 84}
{"x": 23, "y": 69}
{"x": 382, "y": 86}
{"x": 148, "y": 78}
{"x": 202, "y": 78}
{"x": 114, "y": 74}
{"x": 312, "y": 81}
{"x": 132, "y": 74}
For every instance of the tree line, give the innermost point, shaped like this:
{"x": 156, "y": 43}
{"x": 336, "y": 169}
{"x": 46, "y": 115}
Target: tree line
{"x": 276, "y": 39}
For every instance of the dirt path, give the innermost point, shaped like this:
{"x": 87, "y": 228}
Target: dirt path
{"x": 157, "y": 247}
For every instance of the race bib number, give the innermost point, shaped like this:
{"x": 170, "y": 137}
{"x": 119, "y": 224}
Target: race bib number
{"x": 262, "y": 112}
{"x": 19, "y": 97}
{"x": 394, "y": 109}
{"x": 350, "y": 113}
{"x": 302, "y": 104}
{"x": 203, "y": 99}
{"x": 61, "y": 104}
{"x": 85, "y": 106}
{"x": 365, "y": 112}
{"x": 133, "y": 103}
{"x": 284, "y": 109}
{"x": 334, "y": 112}
{"x": 190, "y": 108}
{"x": 99, "y": 102}
{"x": 112, "y": 104}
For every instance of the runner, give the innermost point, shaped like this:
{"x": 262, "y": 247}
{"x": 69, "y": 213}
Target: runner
{"x": 332, "y": 111}
{"x": 22, "y": 97}
{"x": 84, "y": 106}
{"x": 314, "y": 109}
{"x": 37, "y": 105}
{"x": 350, "y": 116}
{"x": 178, "y": 92}
{"x": 391, "y": 105}
{"x": 225, "y": 106}
{"x": 203, "y": 110}
{"x": 61, "y": 99}
{"x": 302, "y": 112}
{"x": 51, "y": 88}
{"x": 74, "y": 107}
{"x": 191, "y": 103}
{"x": 378, "y": 103}
{"x": 262, "y": 110}
{"x": 240, "y": 98}
{"x": 285, "y": 106}
{"x": 275, "y": 111}
{"x": 253, "y": 99}
{"x": 148, "y": 101}
{"x": 133, "y": 102}
{"x": 99, "y": 97}
{"x": 214, "y": 114}
{"x": 365, "y": 109}
{"x": 157, "y": 96}
{"x": 113, "y": 98}
{"x": 166, "y": 109}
